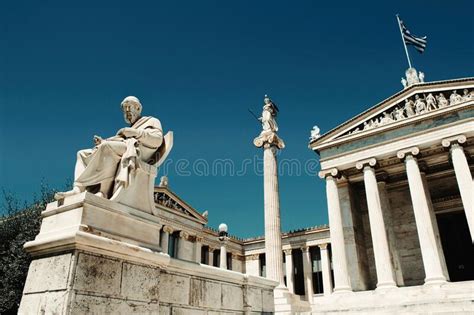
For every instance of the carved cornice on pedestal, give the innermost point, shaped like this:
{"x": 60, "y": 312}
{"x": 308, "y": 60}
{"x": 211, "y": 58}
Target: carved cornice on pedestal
{"x": 458, "y": 140}
{"x": 333, "y": 172}
{"x": 268, "y": 139}
{"x": 367, "y": 162}
{"x": 413, "y": 151}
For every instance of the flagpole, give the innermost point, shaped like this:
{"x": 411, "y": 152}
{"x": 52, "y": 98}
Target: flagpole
{"x": 403, "y": 40}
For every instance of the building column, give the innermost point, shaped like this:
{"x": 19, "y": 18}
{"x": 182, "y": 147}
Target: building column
{"x": 463, "y": 177}
{"x": 182, "y": 251}
{"x": 392, "y": 240}
{"x": 383, "y": 262}
{"x": 308, "y": 273}
{"x": 326, "y": 269}
{"x": 431, "y": 250}
{"x": 271, "y": 143}
{"x": 167, "y": 230}
{"x": 339, "y": 258}
{"x": 198, "y": 249}
{"x": 290, "y": 271}
{"x": 223, "y": 255}
{"x": 211, "y": 256}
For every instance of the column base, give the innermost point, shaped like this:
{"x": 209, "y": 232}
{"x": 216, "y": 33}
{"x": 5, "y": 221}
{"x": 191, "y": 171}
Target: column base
{"x": 435, "y": 281}
{"x": 342, "y": 290}
{"x": 386, "y": 286}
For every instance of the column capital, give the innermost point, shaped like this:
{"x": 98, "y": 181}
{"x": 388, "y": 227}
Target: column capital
{"x": 367, "y": 162}
{"x": 402, "y": 154}
{"x": 333, "y": 172}
{"x": 269, "y": 139}
{"x": 199, "y": 239}
{"x": 184, "y": 235}
{"x": 168, "y": 229}
{"x": 287, "y": 251}
{"x": 212, "y": 249}
{"x": 252, "y": 257}
{"x": 305, "y": 249}
{"x": 236, "y": 256}
{"x": 456, "y": 140}
{"x": 323, "y": 246}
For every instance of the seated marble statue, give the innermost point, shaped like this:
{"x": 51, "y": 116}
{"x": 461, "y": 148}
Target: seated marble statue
{"x": 112, "y": 163}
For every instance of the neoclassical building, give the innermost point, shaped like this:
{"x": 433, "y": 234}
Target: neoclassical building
{"x": 400, "y": 200}
{"x": 400, "y": 204}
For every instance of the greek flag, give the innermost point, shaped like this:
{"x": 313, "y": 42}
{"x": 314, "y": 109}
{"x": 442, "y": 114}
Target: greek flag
{"x": 418, "y": 42}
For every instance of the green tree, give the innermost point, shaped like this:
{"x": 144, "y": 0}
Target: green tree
{"x": 19, "y": 224}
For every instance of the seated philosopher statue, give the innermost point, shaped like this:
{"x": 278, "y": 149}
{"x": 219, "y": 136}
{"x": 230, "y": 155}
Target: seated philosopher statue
{"x": 117, "y": 168}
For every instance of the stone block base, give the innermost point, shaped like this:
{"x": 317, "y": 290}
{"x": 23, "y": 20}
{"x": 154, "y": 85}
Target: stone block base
{"x": 449, "y": 298}
{"x": 77, "y": 271}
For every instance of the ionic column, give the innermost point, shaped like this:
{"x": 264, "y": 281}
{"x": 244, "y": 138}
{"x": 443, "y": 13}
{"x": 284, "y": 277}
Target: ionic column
{"x": 463, "y": 177}
{"x": 383, "y": 262}
{"x": 167, "y": 230}
{"x": 198, "y": 249}
{"x": 308, "y": 273}
{"x": 211, "y": 256}
{"x": 326, "y": 268}
{"x": 290, "y": 270}
{"x": 339, "y": 258}
{"x": 431, "y": 250}
{"x": 184, "y": 237}
{"x": 270, "y": 142}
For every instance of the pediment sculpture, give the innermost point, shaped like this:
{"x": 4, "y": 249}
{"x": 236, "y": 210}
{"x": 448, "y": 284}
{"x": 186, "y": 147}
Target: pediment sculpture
{"x": 123, "y": 168}
{"x": 420, "y": 104}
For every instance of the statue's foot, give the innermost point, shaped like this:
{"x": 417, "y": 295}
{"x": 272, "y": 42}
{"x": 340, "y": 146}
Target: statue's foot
{"x": 61, "y": 195}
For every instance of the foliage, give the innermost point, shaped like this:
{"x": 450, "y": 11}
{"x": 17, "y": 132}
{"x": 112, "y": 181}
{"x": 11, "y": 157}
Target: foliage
{"x": 19, "y": 224}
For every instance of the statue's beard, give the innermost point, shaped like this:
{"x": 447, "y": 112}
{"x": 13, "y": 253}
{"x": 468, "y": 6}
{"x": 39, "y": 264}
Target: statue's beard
{"x": 131, "y": 119}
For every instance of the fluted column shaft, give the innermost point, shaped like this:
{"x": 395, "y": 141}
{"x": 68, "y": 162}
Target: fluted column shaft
{"x": 166, "y": 238}
{"x": 465, "y": 183}
{"x": 341, "y": 276}
{"x": 273, "y": 249}
{"x": 326, "y": 269}
{"x": 431, "y": 250}
{"x": 211, "y": 256}
{"x": 308, "y": 274}
{"x": 290, "y": 271}
{"x": 198, "y": 249}
{"x": 383, "y": 262}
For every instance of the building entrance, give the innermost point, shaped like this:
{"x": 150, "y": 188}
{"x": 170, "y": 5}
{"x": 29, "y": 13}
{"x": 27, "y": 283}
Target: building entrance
{"x": 457, "y": 246}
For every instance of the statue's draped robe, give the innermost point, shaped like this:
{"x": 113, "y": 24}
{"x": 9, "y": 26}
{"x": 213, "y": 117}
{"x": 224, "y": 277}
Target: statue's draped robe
{"x": 268, "y": 120}
{"x": 115, "y": 158}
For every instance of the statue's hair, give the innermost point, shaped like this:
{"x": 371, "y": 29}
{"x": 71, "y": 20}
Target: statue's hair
{"x": 134, "y": 100}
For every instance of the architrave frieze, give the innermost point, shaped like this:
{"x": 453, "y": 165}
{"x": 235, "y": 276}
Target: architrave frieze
{"x": 388, "y": 149}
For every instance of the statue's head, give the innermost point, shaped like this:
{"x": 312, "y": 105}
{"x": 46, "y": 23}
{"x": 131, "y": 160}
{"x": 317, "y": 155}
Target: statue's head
{"x": 132, "y": 108}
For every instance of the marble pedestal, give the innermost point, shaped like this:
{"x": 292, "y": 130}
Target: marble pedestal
{"x": 95, "y": 256}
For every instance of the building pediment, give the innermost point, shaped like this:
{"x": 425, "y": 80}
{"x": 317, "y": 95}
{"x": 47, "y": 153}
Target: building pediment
{"x": 417, "y": 102}
{"x": 168, "y": 200}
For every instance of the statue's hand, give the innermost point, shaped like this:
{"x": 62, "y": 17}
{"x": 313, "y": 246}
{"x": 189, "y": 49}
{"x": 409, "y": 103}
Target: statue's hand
{"x": 128, "y": 132}
{"x": 97, "y": 140}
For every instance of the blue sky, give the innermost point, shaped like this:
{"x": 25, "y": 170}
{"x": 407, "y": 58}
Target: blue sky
{"x": 198, "y": 66}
